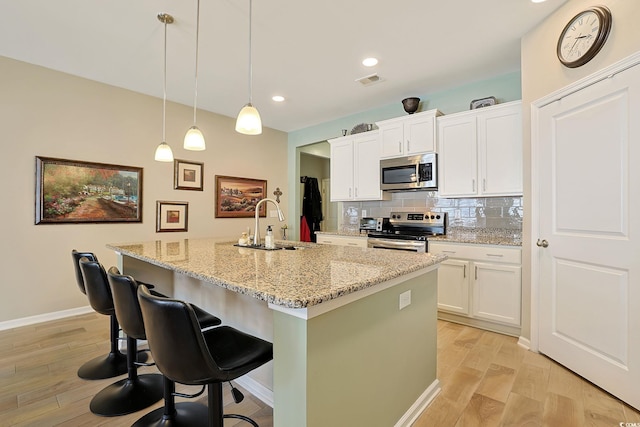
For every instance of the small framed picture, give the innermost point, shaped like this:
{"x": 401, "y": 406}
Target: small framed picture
{"x": 172, "y": 216}
{"x": 187, "y": 175}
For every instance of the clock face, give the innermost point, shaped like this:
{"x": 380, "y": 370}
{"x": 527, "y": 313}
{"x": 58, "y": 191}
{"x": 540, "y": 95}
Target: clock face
{"x": 583, "y": 36}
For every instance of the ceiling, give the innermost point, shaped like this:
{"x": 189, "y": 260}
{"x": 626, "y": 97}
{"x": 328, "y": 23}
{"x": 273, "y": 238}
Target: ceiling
{"x": 309, "y": 52}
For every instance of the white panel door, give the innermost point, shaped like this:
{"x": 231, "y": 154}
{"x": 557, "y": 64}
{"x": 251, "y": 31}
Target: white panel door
{"x": 458, "y": 160}
{"x": 453, "y": 286}
{"x": 500, "y": 151}
{"x": 497, "y": 292}
{"x": 589, "y": 289}
{"x": 367, "y": 168}
{"x": 341, "y": 170}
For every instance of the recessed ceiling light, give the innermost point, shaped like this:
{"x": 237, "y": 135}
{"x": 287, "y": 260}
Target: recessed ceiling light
{"x": 538, "y": 1}
{"x": 369, "y": 62}
{"x": 278, "y": 98}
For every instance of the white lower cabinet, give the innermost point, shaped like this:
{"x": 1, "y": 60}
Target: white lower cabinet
{"x": 453, "y": 286}
{"x": 340, "y": 240}
{"x": 480, "y": 285}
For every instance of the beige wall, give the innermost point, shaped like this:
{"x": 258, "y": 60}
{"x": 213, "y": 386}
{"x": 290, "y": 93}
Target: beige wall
{"x": 542, "y": 74}
{"x": 46, "y": 113}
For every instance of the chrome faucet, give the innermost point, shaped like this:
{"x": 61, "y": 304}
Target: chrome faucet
{"x": 256, "y": 228}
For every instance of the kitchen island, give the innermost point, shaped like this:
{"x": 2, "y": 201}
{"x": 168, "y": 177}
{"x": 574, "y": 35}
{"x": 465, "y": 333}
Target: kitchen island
{"x": 353, "y": 329}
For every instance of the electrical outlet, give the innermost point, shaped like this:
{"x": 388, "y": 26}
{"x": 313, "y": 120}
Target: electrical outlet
{"x": 364, "y": 213}
{"x": 405, "y": 299}
{"x": 273, "y": 214}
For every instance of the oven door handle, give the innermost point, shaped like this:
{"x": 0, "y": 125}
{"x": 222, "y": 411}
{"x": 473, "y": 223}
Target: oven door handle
{"x": 407, "y": 245}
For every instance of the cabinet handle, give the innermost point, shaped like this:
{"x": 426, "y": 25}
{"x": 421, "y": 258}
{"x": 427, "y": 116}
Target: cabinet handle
{"x": 399, "y": 146}
{"x": 476, "y": 272}
{"x": 464, "y": 271}
{"x": 484, "y": 184}
{"x": 352, "y": 244}
{"x": 449, "y": 252}
{"x": 473, "y": 185}
{"x": 349, "y": 192}
{"x": 356, "y": 191}
{"x": 496, "y": 255}
{"x": 408, "y": 145}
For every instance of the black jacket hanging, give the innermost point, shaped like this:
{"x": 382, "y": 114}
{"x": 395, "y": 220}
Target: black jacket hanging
{"x": 312, "y": 206}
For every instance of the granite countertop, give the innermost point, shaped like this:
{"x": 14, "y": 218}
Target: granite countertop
{"x": 288, "y": 278}
{"x": 481, "y": 236}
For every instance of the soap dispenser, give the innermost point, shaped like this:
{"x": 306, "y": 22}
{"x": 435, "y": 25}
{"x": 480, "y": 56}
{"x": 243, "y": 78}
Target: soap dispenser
{"x": 268, "y": 240}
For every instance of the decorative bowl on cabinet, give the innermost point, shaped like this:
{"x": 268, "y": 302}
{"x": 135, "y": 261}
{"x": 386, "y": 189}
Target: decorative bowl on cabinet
{"x": 411, "y": 104}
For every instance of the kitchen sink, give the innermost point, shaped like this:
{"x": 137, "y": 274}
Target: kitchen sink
{"x": 277, "y": 247}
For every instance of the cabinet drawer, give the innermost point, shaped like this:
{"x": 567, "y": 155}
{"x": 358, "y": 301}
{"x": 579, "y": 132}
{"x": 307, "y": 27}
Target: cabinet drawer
{"x": 477, "y": 252}
{"x": 335, "y": 239}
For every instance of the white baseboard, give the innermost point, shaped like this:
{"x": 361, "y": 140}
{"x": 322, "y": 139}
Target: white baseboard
{"x": 419, "y": 405}
{"x": 40, "y": 318}
{"x": 256, "y": 389}
{"x": 524, "y": 342}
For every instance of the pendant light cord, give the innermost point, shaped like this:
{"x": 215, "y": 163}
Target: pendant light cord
{"x": 250, "y": 65}
{"x": 195, "y": 96}
{"x": 164, "y": 85}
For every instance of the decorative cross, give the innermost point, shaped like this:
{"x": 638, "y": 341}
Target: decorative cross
{"x": 277, "y": 193}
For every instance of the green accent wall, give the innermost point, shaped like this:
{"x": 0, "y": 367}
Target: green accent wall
{"x": 505, "y": 88}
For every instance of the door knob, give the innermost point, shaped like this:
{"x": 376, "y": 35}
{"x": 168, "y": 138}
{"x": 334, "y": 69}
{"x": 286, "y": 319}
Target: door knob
{"x": 542, "y": 243}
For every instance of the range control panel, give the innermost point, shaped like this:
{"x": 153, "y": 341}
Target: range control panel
{"x": 418, "y": 218}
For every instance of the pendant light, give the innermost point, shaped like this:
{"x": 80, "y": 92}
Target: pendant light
{"x": 194, "y": 139}
{"x": 248, "y": 121}
{"x": 163, "y": 152}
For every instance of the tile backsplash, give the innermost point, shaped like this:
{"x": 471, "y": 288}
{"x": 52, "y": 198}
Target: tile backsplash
{"x": 478, "y": 212}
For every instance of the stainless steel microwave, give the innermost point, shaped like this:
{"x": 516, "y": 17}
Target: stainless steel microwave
{"x": 409, "y": 173}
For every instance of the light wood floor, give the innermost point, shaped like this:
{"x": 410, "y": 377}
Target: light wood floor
{"x": 486, "y": 378}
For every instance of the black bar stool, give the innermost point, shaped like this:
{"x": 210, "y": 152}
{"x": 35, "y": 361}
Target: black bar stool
{"x": 186, "y": 354}
{"x": 135, "y": 392}
{"x": 124, "y": 290}
{"x": 115, "y": 363}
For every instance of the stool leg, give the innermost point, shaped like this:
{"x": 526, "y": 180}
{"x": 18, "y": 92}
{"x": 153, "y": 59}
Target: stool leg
{"x": 215, "y": 405}
{"x": 131, "y": 394}
{"x": 109, "y": 366}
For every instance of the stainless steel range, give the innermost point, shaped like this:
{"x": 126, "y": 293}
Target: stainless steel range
{"x": 409, "y": 231}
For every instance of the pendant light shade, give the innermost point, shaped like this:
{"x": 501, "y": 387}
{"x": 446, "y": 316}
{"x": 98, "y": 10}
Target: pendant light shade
{"x": 194, "y": 139}
{"x": 164, "y": 152}
{"x": 249, "y": 122}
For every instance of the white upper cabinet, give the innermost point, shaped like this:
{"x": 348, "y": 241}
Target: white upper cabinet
{"x": 355, "y": 168}
{"x": 480, "y": 152}
{"x": 408, "y": 135}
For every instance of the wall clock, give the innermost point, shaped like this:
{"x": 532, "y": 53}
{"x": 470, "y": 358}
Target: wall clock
{"x": 584, "y": 36}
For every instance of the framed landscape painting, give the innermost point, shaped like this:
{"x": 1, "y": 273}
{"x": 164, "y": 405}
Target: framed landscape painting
{"x": 238, "y": 197}
{"x": 73, "y": 191}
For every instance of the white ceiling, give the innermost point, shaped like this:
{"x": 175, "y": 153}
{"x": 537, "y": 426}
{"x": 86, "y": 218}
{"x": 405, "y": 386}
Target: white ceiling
{"x": 309, "y": 52}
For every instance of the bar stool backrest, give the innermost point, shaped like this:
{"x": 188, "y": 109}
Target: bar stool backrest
{"x": 125, "y": 299}
{"x": 76, "y": 266}
{"x": 96, "y": 286}
{"x": 176, "y": 341}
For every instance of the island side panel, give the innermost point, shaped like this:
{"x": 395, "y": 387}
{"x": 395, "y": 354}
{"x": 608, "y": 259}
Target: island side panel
{"x": 365, "y": 363}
